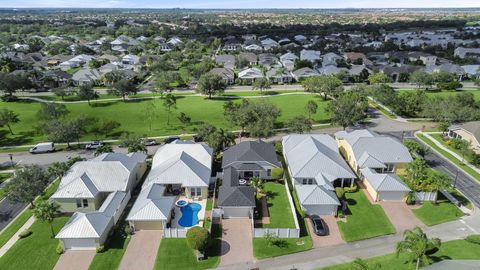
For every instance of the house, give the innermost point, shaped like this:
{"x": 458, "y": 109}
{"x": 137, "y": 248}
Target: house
{"x": 310, "y": 55}
{"x": 123, "y": 43}
{"x": 469, "y": 131}
{"x": 130, "y": 59}
{"x": 250, "y": 74}
{"x": 288, "y": 60}
{"x": 316, "y": 168}
{"x": 76, "y": 61}
{"x": 376, "y": 159}
{"x": 331, "y": 70}
{"x": 164, "y": 47}
{"x": 330, "y": 59}
{"x": 395, "y": 72}
{"x": 55, "y": 78}
{"x": 240, "y": 163}
{"x": 463, "y": 53}
{"x": 227, "y": 74}
{"x": 87, "y": 183}
{"x": 179, "y": 169}
{"x": 248, "y": 57}
{"x": 85, "y": 76}
{"x": 449, "y": 68}
{"x": 267, "y": 60}
{"x": 269, "y": 44}
{"x": 279, "y": 75}
{"x": 304, "y": 73}
{"x": 472, "y": 71}
{"x": 232, "y": 44}
{"x": 252, "y": 45}
{"x": 174, "y": 41}
{"x": 85, "y": 231}
{"x": 357, "y": 58}
{"x": 225, "y": 60}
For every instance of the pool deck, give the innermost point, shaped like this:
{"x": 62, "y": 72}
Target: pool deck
{"x": 178, "y": 213}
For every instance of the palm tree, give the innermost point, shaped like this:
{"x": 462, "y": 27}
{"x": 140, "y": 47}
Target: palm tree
{"x": 46, "y": 212}
{"x": 359, "y": 264}
{"x": 438, "y": 180}
{"x": 417, "y": 245}
{"x": 257, "y": 183}
{"x": 417, "y": 171}
{"x": 58, "y": 169}
{"x": 103, "y": 149}
{"x": 169, "y": 102}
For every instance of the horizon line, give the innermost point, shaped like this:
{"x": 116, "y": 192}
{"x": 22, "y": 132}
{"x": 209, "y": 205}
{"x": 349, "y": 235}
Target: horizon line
{"x": 248, "y": 8}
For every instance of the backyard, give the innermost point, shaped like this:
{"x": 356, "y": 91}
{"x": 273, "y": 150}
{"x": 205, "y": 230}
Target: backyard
{"x": 278, "y": 206}
{"x": 452, "y": 250}
{"x": 174, "y": 253}
{"x": 36, "y": 251}
{"x": 134, "y": 115}
{"x": 364, "y": 219}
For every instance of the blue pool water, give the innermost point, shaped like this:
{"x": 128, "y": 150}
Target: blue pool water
{"x": 189, "y": 215}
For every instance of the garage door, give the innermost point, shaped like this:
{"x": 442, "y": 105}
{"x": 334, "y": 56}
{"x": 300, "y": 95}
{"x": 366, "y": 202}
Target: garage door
{"x": 236, "y": 212}
{"x": 148, "y": 225}
{"x": 321, "y": 209}
{"x": 391, "y": 195}
{"x": 79, "y": 243}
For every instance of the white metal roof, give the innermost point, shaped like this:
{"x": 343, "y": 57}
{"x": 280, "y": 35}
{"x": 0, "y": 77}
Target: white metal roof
{"x": 85, "y": 225}
{"x": 384, "y": 181}
{"x": 315, "y": 195}
{"x": 151, "y": 204}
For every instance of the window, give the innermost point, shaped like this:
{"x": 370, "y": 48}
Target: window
{"x": 79, "y": 203}
{"x": 195, "y": 191}
{"x": 269, "y": 172}
{"x": 85, "y": 203}
{"x": 307, "y": 181}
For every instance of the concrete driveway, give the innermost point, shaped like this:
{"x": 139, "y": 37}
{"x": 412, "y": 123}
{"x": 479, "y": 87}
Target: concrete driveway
{"x": 75, "y": 260}
{"x": 141, "y": 251}
{"x": 401, "y": 215}
{"x": 332, "y": 239}
{"x": 236, "y": 241}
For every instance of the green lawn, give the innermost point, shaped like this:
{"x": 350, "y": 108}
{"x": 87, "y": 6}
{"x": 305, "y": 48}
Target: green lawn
{"x": 16, "y": 224}
{"x": 432, "y": 214}
{"x": 476, "y": 93}
{"x": 364, "y": 220}
{"x": 174, "y": 253}
{"x": 278, "y": 206}
{"x": 262, "y": 249}
{"x": 452, "y": 250}
{"x": 111, "y": 257}
{"x": 454, "y": 160}
{"x": 133, "y": 115}
{"x": 37, "y": 251}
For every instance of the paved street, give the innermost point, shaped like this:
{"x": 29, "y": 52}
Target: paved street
{"x": 8, "y": 211}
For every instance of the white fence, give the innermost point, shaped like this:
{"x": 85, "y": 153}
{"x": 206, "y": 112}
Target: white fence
{"x": 281, "y": 232}
{"x": 174, "y": 233}
{"x": 425, "y": 196}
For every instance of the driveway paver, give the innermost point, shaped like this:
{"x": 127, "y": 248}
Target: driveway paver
{"x": 332, "y": 239}
{"x": 236, "y": 241}
{"x": 75, "y": 260}
{"x": 400, "y": 215}
{"x": 142, "y": 250}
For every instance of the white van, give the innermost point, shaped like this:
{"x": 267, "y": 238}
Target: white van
{"x": 43, "y": 148}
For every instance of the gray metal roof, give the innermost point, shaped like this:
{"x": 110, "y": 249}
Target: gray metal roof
{"x": 470, "y": 127}
{"x": 85, "y": 225}
{"x": 112, "y": 202}
{"x": 236, "y": 196}
{"x": 315, "y": 156}
{"x": 249, "y": 152}
{"x": 316, "y": 195}
{"x": 384, "y": 181}
{"x": 152, "y": 204}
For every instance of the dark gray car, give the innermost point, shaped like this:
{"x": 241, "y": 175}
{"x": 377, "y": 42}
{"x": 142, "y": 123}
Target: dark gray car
{"x": 319, "y": 226}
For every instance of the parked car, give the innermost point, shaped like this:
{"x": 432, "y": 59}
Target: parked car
{"x": 93, "y": 145}
{"x": 171, "y": 139}
{"x": 46, "y": 147}
{"x": 319, "y": 226}
{"x": 150, "y": 142}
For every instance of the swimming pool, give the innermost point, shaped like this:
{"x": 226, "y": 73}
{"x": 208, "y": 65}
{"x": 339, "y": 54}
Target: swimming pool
{"x": 189, "y": 215}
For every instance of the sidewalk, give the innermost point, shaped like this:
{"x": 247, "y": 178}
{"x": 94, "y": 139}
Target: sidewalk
{"x": 15, "y": 238}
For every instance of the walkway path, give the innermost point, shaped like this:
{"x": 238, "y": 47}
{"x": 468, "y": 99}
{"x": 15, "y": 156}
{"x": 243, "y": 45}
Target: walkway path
{"x": 75, "y": 260}
{"x": 236, "y": 241}
{"x": 14, "y": 238}
{"x": 142, "y": 251}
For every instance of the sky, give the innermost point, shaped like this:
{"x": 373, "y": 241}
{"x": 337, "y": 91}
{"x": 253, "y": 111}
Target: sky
{"x": 206, "y": 4}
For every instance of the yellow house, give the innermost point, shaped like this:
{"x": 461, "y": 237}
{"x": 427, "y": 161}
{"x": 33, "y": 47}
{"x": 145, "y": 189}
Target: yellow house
{"x": 469, "y": 131}
{"x": 376, "y": 159}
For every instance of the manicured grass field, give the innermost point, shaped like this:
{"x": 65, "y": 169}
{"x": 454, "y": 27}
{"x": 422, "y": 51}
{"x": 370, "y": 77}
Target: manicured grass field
{"x": 364, "y": 220}
{"x": 36, "y": 251}
{"x": 278, "y": 206}
{"x": 452, "y": 250}
{"x": 262, "y": 249}
{"x": 111, "y": 257}
{"x": 432, "y": 214}
{"x": 448, "y": 156}
{"x": 174, "y": 253}
{"x": 476, "y": 93}
{"x": 131, "y": 115}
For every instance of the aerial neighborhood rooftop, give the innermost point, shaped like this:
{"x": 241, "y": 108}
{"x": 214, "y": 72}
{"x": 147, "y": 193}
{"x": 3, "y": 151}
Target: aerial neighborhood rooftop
{"x": 239, "y": 139}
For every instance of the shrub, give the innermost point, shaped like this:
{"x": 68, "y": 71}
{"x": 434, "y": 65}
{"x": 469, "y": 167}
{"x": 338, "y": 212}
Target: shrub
{"x": 298, "y": 207}
{"x": 278, "y": 148}
{"x": 277, "y": 173}
{"x": 60, "y": 248}
{"x": 352, "y": 189}
{"x": 24, "y": 234}
{"x": 198, "y": 238}
{"x": 410, "y": 200}
{"x": 274, "y": 240}
{"x": 340, "y": 192}
{"x": 100, "y": 249}
{"x": 128, "y": 229}
{"x": 474, "y": 239}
